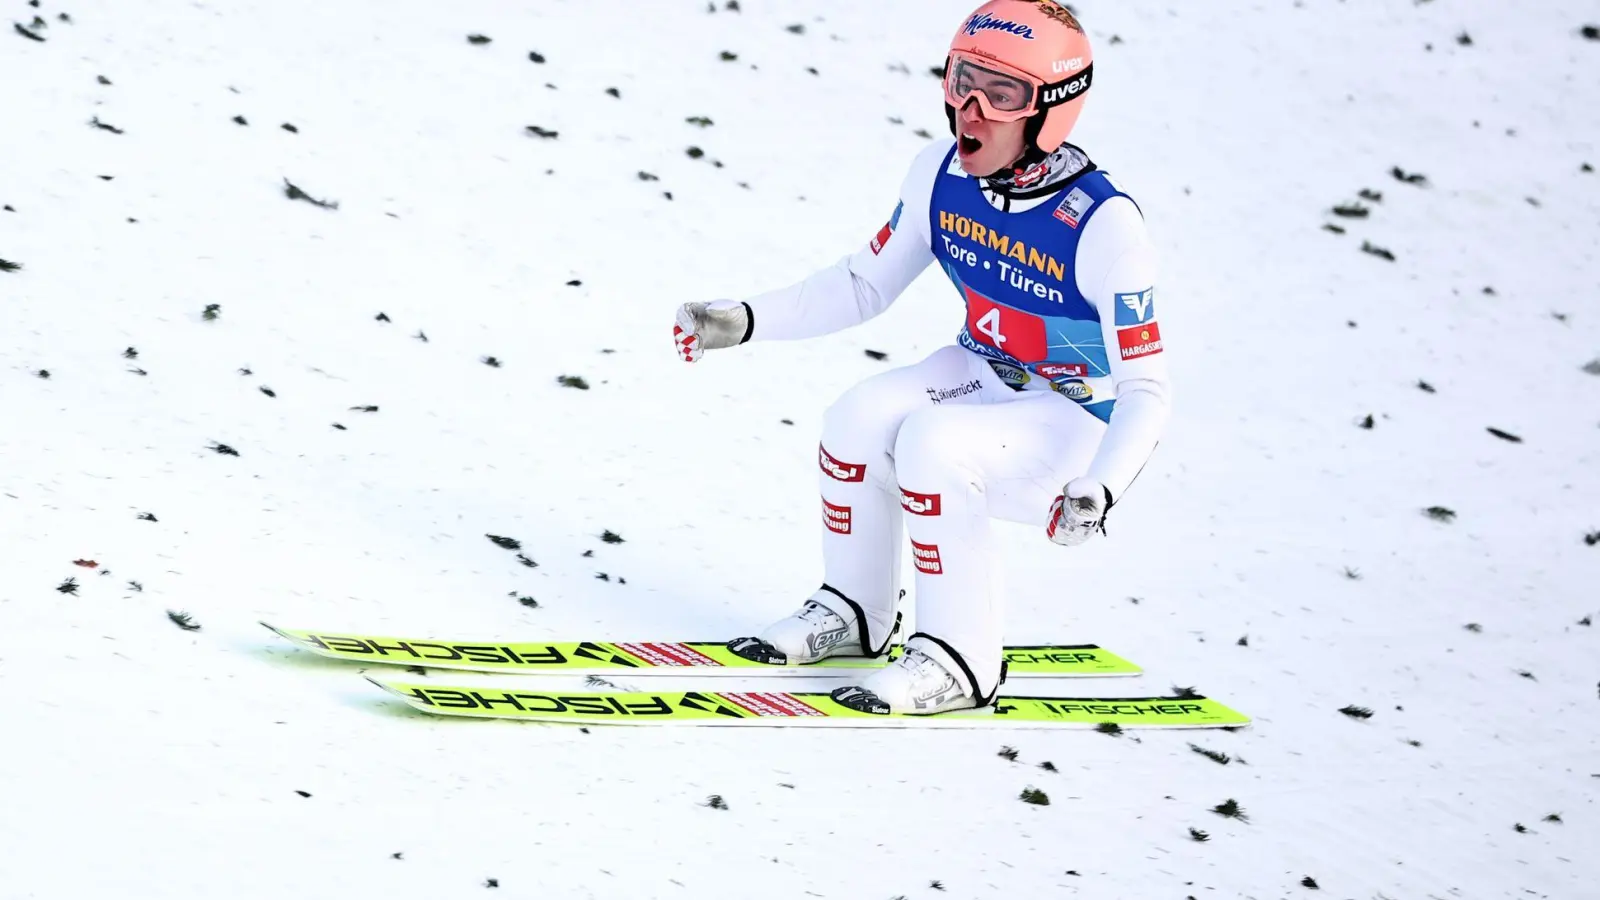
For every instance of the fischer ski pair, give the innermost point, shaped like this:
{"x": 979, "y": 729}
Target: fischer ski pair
{"x": 694, "y": 659}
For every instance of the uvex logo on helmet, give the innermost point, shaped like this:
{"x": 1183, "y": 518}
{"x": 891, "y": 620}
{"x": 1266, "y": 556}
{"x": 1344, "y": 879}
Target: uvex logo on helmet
{"x": 1061, "y": 92}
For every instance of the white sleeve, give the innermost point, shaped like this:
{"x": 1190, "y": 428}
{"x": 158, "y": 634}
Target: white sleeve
{"x": 864, "y": 284}
{"x": 1116, "y": 270}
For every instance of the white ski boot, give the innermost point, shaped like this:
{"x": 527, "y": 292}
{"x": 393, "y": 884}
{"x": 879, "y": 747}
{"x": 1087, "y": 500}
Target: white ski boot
{"x": 812, "y": 633}
{"x": 926, "y": 680}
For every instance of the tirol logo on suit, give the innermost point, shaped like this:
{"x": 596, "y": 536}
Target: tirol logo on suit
{"x": 919, "y": 504}
{"x": 839, "y": 471}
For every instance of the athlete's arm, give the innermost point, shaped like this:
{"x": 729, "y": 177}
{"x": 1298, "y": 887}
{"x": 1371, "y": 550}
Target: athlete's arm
{"x": 1116, "y": 270}
{"x": 864, "y": 284}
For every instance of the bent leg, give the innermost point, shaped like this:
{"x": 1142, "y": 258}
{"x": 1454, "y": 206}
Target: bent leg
{"x": 960, "y": 466}
{"x": 862, "y": 526}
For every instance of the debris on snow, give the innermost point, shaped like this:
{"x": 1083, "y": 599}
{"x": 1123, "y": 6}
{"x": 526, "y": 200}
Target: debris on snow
{"x": 1408, "y": 177}
{"x": 1230, "y": 809}
{"x": 1213, "y": 755}
{"x": 1373, "y": 249}
{"x": 293, "y": 192}
{"x": 187, "y": 623}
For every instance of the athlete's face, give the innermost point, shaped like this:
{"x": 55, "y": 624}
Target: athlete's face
{"x": 983, "y": 145}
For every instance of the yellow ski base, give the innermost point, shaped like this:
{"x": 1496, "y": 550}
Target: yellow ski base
{"x": 658, "y": 657}
{"x": 816, "y": 710}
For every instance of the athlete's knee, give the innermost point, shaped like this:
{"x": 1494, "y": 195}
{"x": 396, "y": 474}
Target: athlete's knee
{"x": 931, "y": 446}
{"x": 858, "y": 434}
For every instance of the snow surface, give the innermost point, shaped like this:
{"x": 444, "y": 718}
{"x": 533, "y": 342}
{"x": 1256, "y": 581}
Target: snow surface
{"x": 141, "y": 760}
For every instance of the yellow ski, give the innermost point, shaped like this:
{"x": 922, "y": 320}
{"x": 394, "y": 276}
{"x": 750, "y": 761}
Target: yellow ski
{"x": 657, "y": 657}
{"x": 817, "y": 710}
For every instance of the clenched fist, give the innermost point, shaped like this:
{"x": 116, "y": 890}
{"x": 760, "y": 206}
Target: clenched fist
{"x": 711, "y": 326}
{"x": 1079, "y": 512}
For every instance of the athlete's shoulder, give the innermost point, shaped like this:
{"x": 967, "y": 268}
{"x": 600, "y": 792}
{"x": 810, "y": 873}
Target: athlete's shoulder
{"x": 930, "y": 161}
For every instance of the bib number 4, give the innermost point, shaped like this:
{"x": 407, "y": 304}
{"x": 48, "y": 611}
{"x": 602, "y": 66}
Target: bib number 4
{"x": 1018, "y": 334}
{"x": 989, "y": 326}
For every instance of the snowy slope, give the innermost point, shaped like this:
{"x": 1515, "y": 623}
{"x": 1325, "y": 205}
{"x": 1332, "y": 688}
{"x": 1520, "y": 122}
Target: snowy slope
{"x": 1275, "y": 554}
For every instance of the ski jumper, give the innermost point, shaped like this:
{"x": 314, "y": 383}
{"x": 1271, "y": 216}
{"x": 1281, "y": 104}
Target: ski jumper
{"x": 1057, "y": 371}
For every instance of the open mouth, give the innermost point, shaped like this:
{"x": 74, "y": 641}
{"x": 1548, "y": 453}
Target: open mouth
{"x": 970, "y": 144}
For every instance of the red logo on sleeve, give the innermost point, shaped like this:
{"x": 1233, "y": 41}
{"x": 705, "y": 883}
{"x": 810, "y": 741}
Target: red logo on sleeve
{"x": 888, "y": 229}
{"x": 926, "y": 556}
{"x": 1140, "y": 340}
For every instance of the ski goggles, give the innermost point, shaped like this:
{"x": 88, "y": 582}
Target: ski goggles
{"x": 1003, "y": 93}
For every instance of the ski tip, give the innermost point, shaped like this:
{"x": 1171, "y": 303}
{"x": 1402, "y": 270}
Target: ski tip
{"x": 384, "y": 685}
{"x": 272, "y": 628}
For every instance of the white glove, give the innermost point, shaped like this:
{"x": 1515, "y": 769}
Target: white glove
{"x": 1079, "y": 512}
{"x": 710, "y": 326}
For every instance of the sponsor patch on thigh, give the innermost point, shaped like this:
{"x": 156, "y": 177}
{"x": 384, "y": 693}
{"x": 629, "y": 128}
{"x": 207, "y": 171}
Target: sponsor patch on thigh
{"x": 839, "y": 471}
{"x": 919, "y": 504}
{"x": 836, "y": 517}
{"x": 927, "y": 559}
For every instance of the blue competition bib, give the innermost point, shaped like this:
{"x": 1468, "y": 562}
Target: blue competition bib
{"x": 1015, "y": 273}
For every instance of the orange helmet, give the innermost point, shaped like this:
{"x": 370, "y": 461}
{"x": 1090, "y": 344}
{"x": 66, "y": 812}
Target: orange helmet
{"x": 1021, "y": 59}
